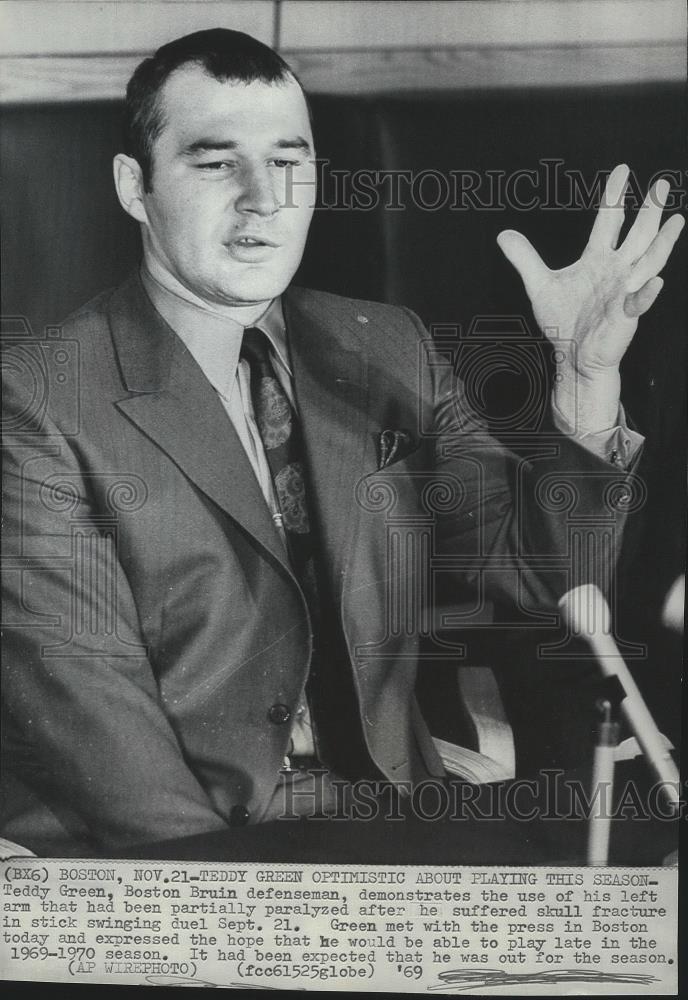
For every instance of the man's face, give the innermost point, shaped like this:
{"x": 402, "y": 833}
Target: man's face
{"x": 233, "y": 184}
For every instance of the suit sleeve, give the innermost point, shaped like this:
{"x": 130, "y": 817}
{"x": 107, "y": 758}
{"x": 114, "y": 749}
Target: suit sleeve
{"x": 77, "y": 684}
{"x": 533, "y": 517}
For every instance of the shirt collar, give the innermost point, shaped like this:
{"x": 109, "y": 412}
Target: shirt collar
{"x": 214, "y": 340}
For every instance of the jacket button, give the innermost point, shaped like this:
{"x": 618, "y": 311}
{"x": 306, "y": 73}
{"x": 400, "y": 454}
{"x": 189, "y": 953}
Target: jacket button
{"x": 239, "y": 816}
{"x": 279, "y": 714}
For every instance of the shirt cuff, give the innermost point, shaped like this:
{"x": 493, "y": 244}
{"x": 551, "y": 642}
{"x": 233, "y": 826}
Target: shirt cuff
{"x": 618, "y": 445}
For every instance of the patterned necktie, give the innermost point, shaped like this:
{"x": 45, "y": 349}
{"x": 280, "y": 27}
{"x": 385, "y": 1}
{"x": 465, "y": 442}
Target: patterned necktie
{"x": 329, "y": 692}
{"x": 281, "y": 436}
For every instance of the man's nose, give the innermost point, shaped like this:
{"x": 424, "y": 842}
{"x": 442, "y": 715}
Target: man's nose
{"x": 257, "y": 193}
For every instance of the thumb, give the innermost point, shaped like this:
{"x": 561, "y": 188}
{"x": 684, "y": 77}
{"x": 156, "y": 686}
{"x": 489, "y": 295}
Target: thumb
{"x": 639, "y": 302}
{"x": 525, "y": 258}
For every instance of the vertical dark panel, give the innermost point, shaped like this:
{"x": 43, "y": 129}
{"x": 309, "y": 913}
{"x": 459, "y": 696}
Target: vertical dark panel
{"x": 65, "y": 236}
{"x": 346, "y": 247}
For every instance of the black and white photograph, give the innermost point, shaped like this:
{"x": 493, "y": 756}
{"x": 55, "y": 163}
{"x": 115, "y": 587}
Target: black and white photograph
{"x": 344, "y": 492}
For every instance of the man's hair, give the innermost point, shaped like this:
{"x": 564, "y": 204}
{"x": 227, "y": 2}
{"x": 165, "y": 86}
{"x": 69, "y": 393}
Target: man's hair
{"x": 223, "y": 54}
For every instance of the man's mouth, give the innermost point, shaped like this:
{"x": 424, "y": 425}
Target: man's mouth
{"x": 252, "y": 241}
{"x": 252, "y": 249}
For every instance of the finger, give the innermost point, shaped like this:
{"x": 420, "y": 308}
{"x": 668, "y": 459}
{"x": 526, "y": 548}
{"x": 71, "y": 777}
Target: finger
{"x": 610, "y": 214}
{"x": 639, "y": 302}
{"x": 525, "y": 258}
{"x": 657, "y": 254}
{"x": 646, "y": 224}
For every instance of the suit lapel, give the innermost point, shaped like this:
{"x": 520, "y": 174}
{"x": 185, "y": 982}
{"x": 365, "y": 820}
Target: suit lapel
{"x": 174, "y": 405}
{"x": 330, "y": 377}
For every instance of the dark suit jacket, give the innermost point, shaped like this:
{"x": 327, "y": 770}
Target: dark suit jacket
{"x": 153, "y": 618}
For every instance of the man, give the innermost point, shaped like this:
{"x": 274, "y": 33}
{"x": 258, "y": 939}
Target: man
{"x": 199, "y": 611}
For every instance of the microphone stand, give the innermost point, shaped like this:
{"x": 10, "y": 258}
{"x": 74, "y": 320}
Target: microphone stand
{"x": 602, "y": 786}
{"x": 587, "y": 613}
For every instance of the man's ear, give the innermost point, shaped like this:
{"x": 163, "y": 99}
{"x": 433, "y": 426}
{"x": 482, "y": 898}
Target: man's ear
{"x": 129, "y": 186}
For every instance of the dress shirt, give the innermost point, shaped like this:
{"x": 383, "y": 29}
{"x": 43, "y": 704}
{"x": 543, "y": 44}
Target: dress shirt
{"x": 618, "y": 445}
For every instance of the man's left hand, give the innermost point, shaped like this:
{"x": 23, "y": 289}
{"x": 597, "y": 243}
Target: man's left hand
{"x": 590, "y": 309}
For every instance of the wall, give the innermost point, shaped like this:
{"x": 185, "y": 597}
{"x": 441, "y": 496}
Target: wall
{"x": 62, "y": 50}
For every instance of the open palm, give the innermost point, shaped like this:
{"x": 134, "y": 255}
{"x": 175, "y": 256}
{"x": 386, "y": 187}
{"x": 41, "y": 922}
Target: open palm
{"x": 590, "y": 309}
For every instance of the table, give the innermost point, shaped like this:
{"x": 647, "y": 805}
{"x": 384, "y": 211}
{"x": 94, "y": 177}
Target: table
{"x": 480, "y": 832}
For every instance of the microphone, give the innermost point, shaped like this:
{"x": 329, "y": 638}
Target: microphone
{"x": 672, "y": 612}
{"x": 587, "y": 613}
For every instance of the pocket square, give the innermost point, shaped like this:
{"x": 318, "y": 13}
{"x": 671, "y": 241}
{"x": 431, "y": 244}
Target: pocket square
{"x": 395, "y": 445}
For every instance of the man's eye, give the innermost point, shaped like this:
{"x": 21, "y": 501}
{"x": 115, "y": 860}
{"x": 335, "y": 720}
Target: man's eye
{"x": 216, "y": 165}
{"x": 286, "y": 163}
